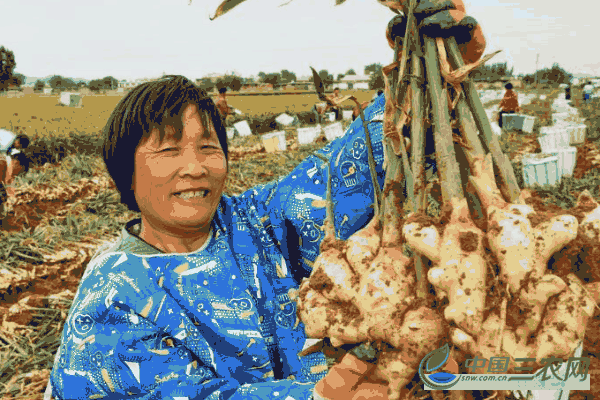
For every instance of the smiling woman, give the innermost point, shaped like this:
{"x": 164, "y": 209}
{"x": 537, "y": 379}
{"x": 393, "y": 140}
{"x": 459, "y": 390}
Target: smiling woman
{"x": 195, "y": 299}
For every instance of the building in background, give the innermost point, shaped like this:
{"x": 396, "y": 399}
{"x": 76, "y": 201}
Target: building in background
{"x": 354, "y": 82}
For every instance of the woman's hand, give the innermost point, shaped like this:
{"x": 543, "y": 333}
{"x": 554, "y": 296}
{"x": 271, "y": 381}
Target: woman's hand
{"x": 443, "y": 18}
{"x": 346, "y": 381}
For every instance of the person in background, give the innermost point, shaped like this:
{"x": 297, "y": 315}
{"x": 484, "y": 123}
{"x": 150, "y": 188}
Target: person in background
{"x": 336, "y": 96}
{"x": 21, "y": 142}
{"x": 568, "y": 91}
{"x": 10, "y": 167}
{"x": 509, "y": 104}
{"x": 224, "y": 109}
{"x": 587, "y": 91}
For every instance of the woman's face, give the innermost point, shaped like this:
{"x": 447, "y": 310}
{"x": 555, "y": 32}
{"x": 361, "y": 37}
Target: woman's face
{"x": 178, "y": 185}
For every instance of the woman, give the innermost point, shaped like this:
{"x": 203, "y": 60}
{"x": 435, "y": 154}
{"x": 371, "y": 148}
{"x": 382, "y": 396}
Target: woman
{"x": 509, "y": 104}
{"x": 193, "y": 299}
{"x": 11, "y": 166}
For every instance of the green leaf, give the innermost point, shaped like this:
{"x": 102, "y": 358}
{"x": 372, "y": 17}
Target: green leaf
{"x": 226, "y": 6}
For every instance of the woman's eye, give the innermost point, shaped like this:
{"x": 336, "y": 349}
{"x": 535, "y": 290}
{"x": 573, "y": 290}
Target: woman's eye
{"x": 167, "y": 149}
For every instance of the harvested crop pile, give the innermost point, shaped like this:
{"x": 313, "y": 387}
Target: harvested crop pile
{"x": 504, "y": 287}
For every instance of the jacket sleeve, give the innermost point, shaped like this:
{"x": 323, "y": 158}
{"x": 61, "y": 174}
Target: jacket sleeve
{"x": 112, "y": 348}
{"x": 293, "y": 208}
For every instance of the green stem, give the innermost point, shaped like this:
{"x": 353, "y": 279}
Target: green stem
{"x": 507, "y": 174}
{"x": 329, "y": 218}
{"x": 448, "y": 168}
{"x": 371, "y": 160}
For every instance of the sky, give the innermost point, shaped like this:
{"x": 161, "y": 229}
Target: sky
{"x": 131, "y": 39}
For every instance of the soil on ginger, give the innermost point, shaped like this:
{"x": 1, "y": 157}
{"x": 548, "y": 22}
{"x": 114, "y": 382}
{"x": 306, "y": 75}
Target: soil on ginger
{"x": 581, "y": 257}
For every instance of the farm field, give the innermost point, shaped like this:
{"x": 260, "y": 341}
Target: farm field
{"x": 65, "y": 208}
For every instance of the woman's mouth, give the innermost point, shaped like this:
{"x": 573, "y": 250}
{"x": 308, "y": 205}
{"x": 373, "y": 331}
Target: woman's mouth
{"x": 187, "y": 195}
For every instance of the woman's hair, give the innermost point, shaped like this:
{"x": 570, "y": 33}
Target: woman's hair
{"x": 148, "y": 106}
{"x": 223, "y": 90}
{"x": 508, "y": 86}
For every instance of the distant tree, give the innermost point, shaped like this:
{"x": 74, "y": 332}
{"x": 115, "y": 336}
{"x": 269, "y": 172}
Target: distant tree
{"x": 95, "y": 85}
{"x": 492, "y": 73}
{"x": 39, "y": 85}
{"x": 109, "y": 83}
{"x": 7, "y": 67}
{"x": 207, "y": 84}
{"x": 18, "y": 80}
{"x": 261, "y": 76}
{"x": 372, "y": 68}
{"x": 554, "y": 75}
{"x": 340, "y": 76}
{"x": 326, "y": 78}
{"x": 56, "y": 82}
{"x": 233, "y": 82}
{"x": 287, "y": 76}
{"x": 273, "y": 79}
{"x": 350, "y": 72}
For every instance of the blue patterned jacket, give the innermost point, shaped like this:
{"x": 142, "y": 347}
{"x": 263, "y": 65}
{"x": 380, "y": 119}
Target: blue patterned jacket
{"x": 217, "y": 323}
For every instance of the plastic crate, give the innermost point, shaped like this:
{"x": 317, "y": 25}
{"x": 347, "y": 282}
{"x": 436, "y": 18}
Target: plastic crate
{"x": 347, "y": 114}
{"x": 6, "y": 139}
{"x": 566, "y": 160}
{"x": 334, "y": 131}
{"x": 230, "y": 133}
{"x": 308, "y": 135}
{"x": 286, "y": 120}
{"x": 528, "y": 124}
{"x": 274, "y": 141}
{"x": 577, "y": 133}
{"x": 243, "y": 128}
{"x": 330, "y": 116}
{"x": 540, "y": 169}
{"x": 517, "y": 122}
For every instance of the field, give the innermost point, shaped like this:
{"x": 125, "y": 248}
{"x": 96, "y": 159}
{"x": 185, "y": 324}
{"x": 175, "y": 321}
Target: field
{"x": 66, "y": 205}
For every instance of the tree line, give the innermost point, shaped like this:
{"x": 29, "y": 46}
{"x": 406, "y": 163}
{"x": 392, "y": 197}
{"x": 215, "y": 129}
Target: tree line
{"x": 486, "y": 73}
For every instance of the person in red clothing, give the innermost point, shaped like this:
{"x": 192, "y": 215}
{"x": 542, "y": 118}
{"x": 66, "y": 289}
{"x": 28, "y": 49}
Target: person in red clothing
{"x": 509, "y": 104}
{"x": 222, "y": 105}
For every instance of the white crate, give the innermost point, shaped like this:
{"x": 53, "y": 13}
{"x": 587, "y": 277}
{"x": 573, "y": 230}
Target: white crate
{"x": 7, "y": 138}
{"x": 559, "y": 117}
{"x": 286, "y": 120}
{"x": 230, "y": 132}
{"x": 347, "y": 114}
{"x": 274, "y": 141}
{"x": 47, "y": 91}
{"x": 308, "y": 135}
{"x": 243, "y": 128}
{"x": 70, "y": 99}
{"x": 577, "y": 133}
{"x": 540, "y": 169}
{"x": 528, "y": 124}
{"x": 330, "y": 116}
{"x": 566, "y": 160}
{"x": 334, "y": 131}
{"x": 548, "y": 143}
{"x": 515, "y": 122}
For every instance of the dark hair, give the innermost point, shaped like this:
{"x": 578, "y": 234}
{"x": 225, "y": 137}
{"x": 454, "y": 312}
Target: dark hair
{"x": 23, "y": 160}
{"x": 223, "y": 90}
{"x": 23, "y": 139}
{"x": 337, "y": 88}
{"x": 379, "y": 92}
{"x": 508, "y": 86}
{"x": 148, "y": 106}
